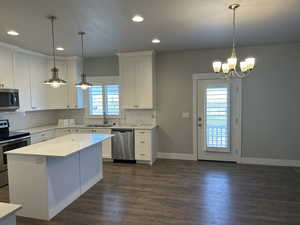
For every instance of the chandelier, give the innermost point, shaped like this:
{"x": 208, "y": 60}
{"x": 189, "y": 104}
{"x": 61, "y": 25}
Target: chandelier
{"x": 229, "y": 68}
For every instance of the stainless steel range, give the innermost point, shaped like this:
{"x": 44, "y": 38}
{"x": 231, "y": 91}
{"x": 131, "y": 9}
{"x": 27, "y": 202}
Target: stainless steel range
{"x": 9, "y": 141}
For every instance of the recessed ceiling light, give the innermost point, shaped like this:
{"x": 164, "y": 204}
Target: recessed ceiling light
{"x": 60, "y": 49}
{"x": 12, "y": 33}
{"x": 137, "y": 19}
{"x": 155, "y": 41}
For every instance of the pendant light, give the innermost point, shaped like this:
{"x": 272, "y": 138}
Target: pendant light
{"x": 229, "y": 68}
{"x": 83, "y": 84}
{"x": 54, "y": 81}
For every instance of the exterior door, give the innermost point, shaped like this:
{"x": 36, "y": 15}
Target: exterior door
{"x": 214, "y": 120}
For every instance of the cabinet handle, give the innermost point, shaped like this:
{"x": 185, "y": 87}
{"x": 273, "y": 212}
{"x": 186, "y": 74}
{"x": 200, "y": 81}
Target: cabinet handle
{"x": 142, "y": 142}
{"x": 135, "y": 106}
{"x": 2, "y": 85}
{"x": 142, "y": 154}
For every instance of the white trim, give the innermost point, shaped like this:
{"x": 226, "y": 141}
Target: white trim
{"x": 269, "y": 162}
{"x": 164, "y": 155}
{"x": 236, "y": 114}
{"x": 139, "y": 53}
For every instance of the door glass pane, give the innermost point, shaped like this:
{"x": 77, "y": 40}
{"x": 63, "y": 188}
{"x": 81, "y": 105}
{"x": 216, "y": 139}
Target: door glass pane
{"x": 217, "y": 114}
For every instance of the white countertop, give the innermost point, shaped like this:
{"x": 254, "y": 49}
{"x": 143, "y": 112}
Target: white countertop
{"x": 35, "y": 130}
{"x": 61, "y": 146}
{"x": 7, "y": 208}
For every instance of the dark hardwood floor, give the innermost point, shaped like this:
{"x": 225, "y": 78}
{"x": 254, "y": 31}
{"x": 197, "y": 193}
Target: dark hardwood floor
{"x": 175, "y": 192}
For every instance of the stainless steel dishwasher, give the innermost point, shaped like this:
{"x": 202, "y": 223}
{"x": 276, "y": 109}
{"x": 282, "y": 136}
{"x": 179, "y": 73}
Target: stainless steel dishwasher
{"x": 123, "y": 145}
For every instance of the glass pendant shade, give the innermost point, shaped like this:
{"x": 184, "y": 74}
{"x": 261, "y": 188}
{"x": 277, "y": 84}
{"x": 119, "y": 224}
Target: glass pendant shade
{"x": 55, "y": 81}
{"x": 232, "y": 61}
{"x": 250, "y": 63}
{"x": 225, "y": 68}
{"x": 243, "y": 66}
{"x": 83, "y": 84}
{"x": 217, "y": 65}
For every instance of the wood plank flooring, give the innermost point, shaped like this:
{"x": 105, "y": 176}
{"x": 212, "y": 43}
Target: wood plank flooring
{"x": 173, "y": 192}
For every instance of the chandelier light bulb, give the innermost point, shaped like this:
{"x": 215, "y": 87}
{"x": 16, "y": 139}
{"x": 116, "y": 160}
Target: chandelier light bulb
{"x": 243, "y": 66}
{"x": 250, "y": 63}
{"x": 232, "y": 61}
{"x": 55, "y": 84}
{"x": 217, "y": 65}
{"x": 225, "y": 68}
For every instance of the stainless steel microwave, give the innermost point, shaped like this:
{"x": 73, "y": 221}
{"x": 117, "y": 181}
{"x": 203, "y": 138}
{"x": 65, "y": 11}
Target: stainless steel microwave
{"x": 9, "y": 99}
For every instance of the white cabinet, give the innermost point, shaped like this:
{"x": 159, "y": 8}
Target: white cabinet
{"x": 137, "y": 80}
{"x": 146, "y": 145}
{"x": 75, "y": 95}
{"x": 42, "y": 136}
{"x": 22, "y": 79}
{"x": 58, "y": 97}
{"x": 106, "y": 145}
{"x": 59, "y": 132}
{"x": 38, "y": 74}
{"x": 6, "y": 68}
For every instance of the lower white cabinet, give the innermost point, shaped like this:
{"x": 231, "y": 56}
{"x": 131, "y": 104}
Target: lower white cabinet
{"x": 106, "y": 145}
{"x": 42, "y": 136}
{"x": 62, "y": 132}
{"x": 145, "y": 145}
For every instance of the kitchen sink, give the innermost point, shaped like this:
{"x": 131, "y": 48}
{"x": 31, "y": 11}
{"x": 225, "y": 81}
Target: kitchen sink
{"x": 100, "y": 125}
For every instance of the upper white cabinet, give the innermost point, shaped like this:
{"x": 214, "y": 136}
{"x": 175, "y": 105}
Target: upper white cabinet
{"x": 6, "y": 68}
{"x": 58, "y": 97}
{"x": 22, "y": 79}
{"x": 75, "y": 95}
{"x": 138, "y": 80}
{"x": 38, "y": 74}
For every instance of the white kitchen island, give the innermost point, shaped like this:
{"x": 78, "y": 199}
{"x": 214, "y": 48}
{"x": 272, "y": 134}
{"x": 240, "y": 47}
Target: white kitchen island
{"x": 46, "y": 177}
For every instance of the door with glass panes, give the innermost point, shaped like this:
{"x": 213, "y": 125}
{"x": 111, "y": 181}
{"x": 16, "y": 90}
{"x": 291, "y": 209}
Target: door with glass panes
{"x": 214, "y": 108}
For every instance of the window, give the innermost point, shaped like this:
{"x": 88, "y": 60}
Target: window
{"x": 104, "y": 98}
{"x": 217, "y": 117}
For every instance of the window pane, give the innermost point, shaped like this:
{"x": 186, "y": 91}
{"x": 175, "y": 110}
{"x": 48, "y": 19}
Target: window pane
{"x": 217, "y": 117}
{"x": 96, "y": 100}
{"x": 112, "y": 100}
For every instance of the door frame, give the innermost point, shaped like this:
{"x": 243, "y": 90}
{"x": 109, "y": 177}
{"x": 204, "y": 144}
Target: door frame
{"x": 236, "y": 113}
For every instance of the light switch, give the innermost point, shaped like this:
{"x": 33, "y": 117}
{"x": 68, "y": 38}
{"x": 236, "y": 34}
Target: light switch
{"x": 185, "y": 115}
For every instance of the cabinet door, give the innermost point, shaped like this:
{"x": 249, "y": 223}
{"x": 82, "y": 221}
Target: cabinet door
{"x": 6, "y": 68}
{"x": 22, "y": 79}
{"x": 75, "y": 95}
{"x": 144, "y": 82}
{"x": 38, "y": 74}
{"x": 128, "y": 92}
{"x": 143, "y": 145}
{"x": 58, "y": 97}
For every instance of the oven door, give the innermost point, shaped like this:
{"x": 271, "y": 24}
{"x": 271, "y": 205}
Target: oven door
{"x": 11, "y": 145}
{"x": 9, "y": 99}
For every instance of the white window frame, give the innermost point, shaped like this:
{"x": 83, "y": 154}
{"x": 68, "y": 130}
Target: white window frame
{"x": 102, "y": 80}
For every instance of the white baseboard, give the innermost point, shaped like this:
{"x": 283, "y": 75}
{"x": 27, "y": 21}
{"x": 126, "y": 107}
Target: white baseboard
{"x": 164, "y": 155}
{"x": 270, "y": 162}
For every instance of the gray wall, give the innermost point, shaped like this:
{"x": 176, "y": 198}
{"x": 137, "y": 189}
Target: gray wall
{"x": 270, "y": 99}
{"x": 102, "y": 66}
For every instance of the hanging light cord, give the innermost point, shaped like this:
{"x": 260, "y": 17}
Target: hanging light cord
{"x": 233, "y": 33}
{"x": 52, "y": 32}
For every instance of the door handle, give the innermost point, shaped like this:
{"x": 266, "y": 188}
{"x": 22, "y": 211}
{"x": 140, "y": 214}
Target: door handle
{"x": 199, "y": 122}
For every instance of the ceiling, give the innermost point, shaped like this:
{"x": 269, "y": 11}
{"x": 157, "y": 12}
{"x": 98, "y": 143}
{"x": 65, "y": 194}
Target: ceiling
{"x": 180, "y": 24}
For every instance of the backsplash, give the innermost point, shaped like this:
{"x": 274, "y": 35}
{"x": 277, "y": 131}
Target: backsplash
{"x": 23, "y": 120}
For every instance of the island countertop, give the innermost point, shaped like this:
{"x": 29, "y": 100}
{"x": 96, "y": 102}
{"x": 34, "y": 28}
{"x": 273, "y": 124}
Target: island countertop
{"x": 61, "y": 146}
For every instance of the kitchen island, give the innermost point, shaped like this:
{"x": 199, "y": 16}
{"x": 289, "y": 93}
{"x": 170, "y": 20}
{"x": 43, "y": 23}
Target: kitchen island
{"x": 46, "y": 177}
